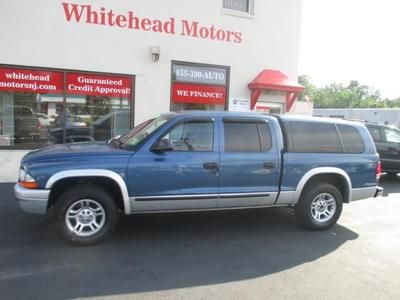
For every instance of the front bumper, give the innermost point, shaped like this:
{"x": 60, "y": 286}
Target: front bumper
{"x": 32, "y": 201}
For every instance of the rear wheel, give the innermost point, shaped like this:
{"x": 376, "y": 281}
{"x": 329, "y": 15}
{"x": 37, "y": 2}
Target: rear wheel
{"x": 86, "y": 214}
{"x": 319, "y": 207}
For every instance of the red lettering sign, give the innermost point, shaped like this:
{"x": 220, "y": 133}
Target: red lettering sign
{"x": 99, "y": 85}
{"x": 194, "y": 93}
{"x": 22, "y": 80}
{"x": 88, "y": 14}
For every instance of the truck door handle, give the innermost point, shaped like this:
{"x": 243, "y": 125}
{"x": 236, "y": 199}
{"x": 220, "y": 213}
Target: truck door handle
{"x": 210, "y": 166}
{"x": 268, "y": 165}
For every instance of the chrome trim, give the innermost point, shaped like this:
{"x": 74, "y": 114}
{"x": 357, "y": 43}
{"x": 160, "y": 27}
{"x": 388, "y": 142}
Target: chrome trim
{"x": 174, "y": 197}
{"x": 93, "y": 173}
{"x": 246, "y": 194}
{"x": 363, "y": 193}
{"x": 32, "y": 200}
{"x": 319, "y": 171}
{"x": 206, "y": 209}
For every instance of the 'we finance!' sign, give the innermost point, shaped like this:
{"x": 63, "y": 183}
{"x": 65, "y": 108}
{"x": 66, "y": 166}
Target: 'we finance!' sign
{"x": 198, "y": 84}
{"x": 194, "y": 93}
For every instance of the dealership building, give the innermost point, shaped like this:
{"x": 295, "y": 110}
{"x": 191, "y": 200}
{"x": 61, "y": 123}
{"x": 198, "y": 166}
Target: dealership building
{"x": 87, "y": 70}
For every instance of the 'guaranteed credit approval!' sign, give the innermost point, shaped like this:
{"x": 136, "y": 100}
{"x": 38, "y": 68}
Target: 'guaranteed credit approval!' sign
{"x": 52, "y": 82}
{"x": 98, "y": 85}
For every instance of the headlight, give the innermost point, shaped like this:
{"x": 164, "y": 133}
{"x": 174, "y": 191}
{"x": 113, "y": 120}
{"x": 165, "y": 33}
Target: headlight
{"x": 26, "y": 180}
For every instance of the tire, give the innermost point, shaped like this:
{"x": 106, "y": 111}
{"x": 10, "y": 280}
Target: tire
{"x": 86, "y": 214}
{"x": 319, "y": 207}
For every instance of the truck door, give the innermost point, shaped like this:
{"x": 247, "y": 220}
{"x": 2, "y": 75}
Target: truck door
{"x": 249, "y": 163}
{"x": 184, "y": 178}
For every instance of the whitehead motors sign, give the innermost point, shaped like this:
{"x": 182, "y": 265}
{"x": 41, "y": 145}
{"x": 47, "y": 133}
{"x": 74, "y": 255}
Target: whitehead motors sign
{"x": 81, "y": 13}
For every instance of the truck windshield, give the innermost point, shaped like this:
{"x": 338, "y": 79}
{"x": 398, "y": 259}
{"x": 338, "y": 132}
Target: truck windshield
{"x": 141, "y": 131}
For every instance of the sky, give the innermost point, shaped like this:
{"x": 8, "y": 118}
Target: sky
{"x": 345, "y": 40}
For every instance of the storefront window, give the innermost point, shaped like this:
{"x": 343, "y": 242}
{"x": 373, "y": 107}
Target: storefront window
{"x": 198, "y": 87}
{"x": 27, "y": 106}
{"x": 36, "y": 111}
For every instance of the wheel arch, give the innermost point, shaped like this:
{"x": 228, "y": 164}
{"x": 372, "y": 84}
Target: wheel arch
{"x": 104, "y": 176}
{"x": 331, "y": 175}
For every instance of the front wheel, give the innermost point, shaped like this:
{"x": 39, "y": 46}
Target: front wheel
{"x": 86, "y": 214}
{"x": 319, "y": 207}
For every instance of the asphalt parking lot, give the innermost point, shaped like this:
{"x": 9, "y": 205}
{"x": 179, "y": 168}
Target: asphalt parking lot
{"x": 252, "y": 254}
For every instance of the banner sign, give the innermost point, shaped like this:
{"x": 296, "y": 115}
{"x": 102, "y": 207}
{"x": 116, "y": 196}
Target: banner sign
{"x": 198, "y": 74}
{"x": 99, "y": 85}
{"x": 199, "y": 94}
{"x": 25, "y": 80}
{"x": 87, "y": 14}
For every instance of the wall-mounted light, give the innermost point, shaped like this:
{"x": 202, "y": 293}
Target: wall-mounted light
{"x": 155, "y": 53}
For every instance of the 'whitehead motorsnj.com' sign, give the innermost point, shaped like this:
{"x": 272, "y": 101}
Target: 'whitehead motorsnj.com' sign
{"x": 85, "y": 13}
{"x": 52, "y": 82}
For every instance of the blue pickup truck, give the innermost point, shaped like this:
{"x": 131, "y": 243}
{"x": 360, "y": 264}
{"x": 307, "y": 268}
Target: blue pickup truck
{"x": 193, "y": 161}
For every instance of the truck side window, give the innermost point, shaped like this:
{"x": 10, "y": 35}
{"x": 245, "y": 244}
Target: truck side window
{"x": 192, "y": 136}
{"x": 311, "y": 137}
{"x": 247, "y": 136}
{"x": 351, "y": 138}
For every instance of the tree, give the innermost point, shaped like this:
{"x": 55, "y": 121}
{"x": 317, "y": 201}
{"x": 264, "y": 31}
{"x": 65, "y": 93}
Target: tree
{"x": 338, "y": 95}
{"x": 309, "y": 88}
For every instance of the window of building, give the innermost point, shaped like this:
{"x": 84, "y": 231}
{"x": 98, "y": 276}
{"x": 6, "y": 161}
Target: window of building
{"x": 198, "y": 87}
{"x": 241, "y": 136}
{"x": 311, "y": 137}
{"x": 238, "y": 7}
{"x": 351, "y": 139}
{"x": 36, "y": 110}
{"x": 192, "y": 136}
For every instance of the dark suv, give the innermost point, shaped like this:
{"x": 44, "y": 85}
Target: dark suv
{"x": 387, "y": 141}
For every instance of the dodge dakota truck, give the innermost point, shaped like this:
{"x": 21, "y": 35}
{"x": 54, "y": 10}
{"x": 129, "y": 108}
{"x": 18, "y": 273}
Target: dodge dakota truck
{"x": 193, "y": 161}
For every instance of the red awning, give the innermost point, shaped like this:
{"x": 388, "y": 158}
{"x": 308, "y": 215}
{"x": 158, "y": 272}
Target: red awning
{"x": 277, "y": 81}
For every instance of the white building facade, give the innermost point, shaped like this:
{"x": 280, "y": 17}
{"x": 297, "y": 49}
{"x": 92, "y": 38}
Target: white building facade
{"x": 83, "y": 70}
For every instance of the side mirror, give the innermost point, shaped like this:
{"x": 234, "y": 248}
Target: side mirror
{"x": 162, "y": 146}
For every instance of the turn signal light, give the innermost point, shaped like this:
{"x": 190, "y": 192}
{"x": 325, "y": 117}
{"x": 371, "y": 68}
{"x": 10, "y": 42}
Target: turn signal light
{"x": 26, "y": 180}
{"x": 29, "y": 185}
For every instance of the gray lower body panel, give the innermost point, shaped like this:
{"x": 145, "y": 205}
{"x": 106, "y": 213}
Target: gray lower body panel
{"x": 363, "y": 193}
{"x": 201, "y": 202}
{"x": 31, "y": 200}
